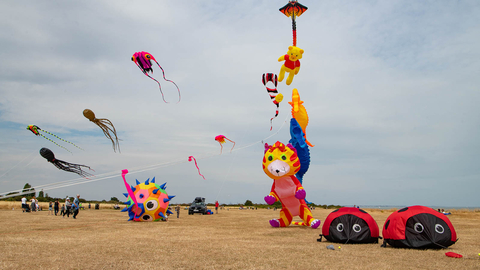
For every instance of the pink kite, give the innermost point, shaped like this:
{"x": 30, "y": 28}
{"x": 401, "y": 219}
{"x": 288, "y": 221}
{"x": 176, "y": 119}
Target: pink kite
{"x": 144, "y": 63}
{"x": 221, "y": 139}
{"x": 190, "y": 158}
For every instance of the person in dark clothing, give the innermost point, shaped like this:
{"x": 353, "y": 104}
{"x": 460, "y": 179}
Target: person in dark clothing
{"x": 56, "y": 207}
{"x": 67, "y": 208}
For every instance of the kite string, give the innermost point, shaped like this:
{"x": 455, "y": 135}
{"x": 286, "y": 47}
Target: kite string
{"x": 112, "y": 174}
{"x": 18, "y": 164}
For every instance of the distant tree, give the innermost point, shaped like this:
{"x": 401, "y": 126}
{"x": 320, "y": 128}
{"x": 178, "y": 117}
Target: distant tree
{"x": 40, "y": 194}
{"x": 277, "y": 204}
{"x": 114, "y": 199}
{"x": 27, "y": 188}
{"x": 248, "y": 203}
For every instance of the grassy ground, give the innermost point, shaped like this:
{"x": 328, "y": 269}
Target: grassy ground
{"x": 233, "y": 239}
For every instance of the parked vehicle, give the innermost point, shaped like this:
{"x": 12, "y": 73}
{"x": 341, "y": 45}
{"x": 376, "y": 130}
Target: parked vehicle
{"x": 198, "y": 206}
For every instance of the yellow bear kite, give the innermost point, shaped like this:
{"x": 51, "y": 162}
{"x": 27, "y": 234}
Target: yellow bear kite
{"x": 291, "y": 65}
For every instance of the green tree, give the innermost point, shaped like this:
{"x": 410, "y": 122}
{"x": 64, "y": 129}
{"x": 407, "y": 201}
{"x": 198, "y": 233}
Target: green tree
{"x": 114, "y": 199}
{"x": 248, "y": 203}
{"x": 27, "y": 188}
{"x": 277, "y": 204}
{"x": 40, "y": 194}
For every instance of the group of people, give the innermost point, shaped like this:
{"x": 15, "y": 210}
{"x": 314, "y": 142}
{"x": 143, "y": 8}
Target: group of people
{"x": 33, "y": 205}
{"x": 54, "y": 207}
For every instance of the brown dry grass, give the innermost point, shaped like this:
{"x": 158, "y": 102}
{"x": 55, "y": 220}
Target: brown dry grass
{"x": 233, "y": 239}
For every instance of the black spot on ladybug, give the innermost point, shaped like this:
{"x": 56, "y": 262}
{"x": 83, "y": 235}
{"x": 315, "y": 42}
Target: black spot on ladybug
{"x": 402, "y": 210}
{"x": 363, "y": 211}
{"x": 387, "y": 223}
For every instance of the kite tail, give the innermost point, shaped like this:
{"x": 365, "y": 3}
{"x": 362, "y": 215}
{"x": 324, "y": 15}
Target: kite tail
{"x": 294, "y": 30}
{"x": 178, "y": 89}
{"x": 190, "y": 158}
{"x": 70, "y": 167}
{"x": 159, "y": 85}
{"x": 276, "y": 114}
{"x": 232, "y": 142}
{"x": 106, "y": 126}
{"x": 221, "y": 148}
{"x": 272, "y": 92}
{"x": 60, "y": 139}
{"x": 55, "y": 143}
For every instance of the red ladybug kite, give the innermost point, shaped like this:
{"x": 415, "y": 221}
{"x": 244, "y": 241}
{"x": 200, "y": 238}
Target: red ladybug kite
{"x": 418, "y": 227}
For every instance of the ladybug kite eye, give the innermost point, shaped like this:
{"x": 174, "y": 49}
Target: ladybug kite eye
{"x": 356, "y": 228}
{"x": 418, "y": 227}
{"x": 284, "y": 157}
{"x": 439, "y": 228}
{"x": 340, "y": 227}
{"x": 270, "y": 158}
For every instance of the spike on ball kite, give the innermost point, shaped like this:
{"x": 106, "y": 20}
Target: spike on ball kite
{"x": 221, "y": 139}
{"x": 63, "y": 165}
{"x": 106, "y": 126}
{"x": 274, "y": 95}
{"x": 36, "y": 130}
{"x": 144, "y": 62}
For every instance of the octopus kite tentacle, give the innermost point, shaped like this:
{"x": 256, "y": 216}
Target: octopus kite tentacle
{"x": 190, "y": 158}
{"x": 106, "y": 126}
{"x": 36, "y": 130}
{"x": 221, "y": 139}
{"x": 143, "y": 62}
{"x": 63, "y": 165}
{"x": 274, "y": 95}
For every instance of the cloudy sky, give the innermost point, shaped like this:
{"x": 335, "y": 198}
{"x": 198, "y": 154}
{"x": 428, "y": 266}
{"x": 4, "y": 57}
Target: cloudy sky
{"x": 391, "y": 89}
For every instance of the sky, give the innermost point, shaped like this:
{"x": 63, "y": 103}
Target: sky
{"x": 391, "y": 89}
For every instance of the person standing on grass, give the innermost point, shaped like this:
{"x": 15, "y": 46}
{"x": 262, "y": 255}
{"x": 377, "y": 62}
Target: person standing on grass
{"x": 216, "y": 206}
{"x": 50, "y": 208}
{"x": 76, "y": 206}
{"x": 32, "y": 205}
{"x": 24, "y": 203}
{"x": 63, "y": 210}
{"x": 67, "y": 208}
{"x": 56, "y": 204}
{"x": 177, "y": 208}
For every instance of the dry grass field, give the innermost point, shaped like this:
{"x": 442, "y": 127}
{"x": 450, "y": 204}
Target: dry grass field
{"x": 233, "y": 239}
